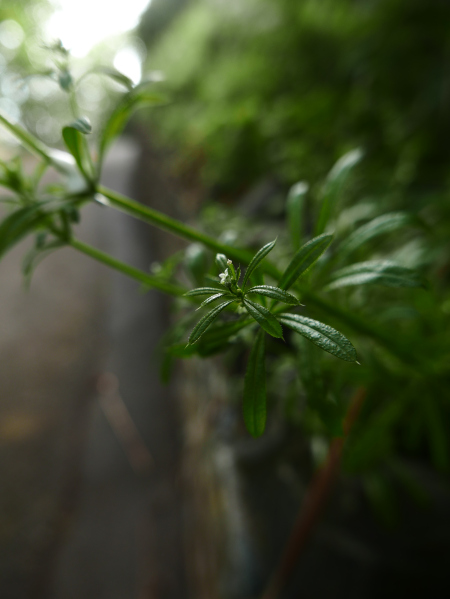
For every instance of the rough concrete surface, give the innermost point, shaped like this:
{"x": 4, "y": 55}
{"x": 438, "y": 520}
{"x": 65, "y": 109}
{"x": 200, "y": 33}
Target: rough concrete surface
{"x": 77, "y": 518}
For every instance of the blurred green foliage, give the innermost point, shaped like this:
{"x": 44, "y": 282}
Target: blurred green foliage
{"x": 279, "y": 90}
{"x": 285, "y": 87}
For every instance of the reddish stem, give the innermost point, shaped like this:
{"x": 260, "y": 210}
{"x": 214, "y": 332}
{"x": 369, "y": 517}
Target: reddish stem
{"x": 315, "y": 501}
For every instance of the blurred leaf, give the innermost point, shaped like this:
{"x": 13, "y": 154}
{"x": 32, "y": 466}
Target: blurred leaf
{"x": 387, "y": 223}
{"x": 321, "y": 334}
{"x": 65, "y": 80}
{"x": 254, "y": 405}
{"x": 260, "y": 255}
{"x": 221, "y": 261}
{"x": 132, "y": 101}
{"x": 75, "y": 143}
{"x": 295, "y": 207}
{"x": 274, "y": 293}
{"x": 303, "y": 259}
{"x": 112, "y": 74}
{"x": 437, "y": 432}
{"x": 83, "y": 125}
{"x": 333, "y": 186}
{"x": 196, "y": 261}
{"x": 381, "y": 272}
{"x": 216, "y": 339}
{"x": 380, "y": 494}
{"x": 18, "y": 224}
{"x": 264, "y": 318}
{"x": 36, "y": 255}
{"x": 205, "y": 322}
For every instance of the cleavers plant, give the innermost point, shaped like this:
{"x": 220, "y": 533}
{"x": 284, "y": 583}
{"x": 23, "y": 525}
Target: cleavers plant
{"x": 50, "y": 214}
{"x": 325, "y": 337}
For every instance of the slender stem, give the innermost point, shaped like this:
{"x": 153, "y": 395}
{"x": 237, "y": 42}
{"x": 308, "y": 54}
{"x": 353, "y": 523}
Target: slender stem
{"x": 29, "y": 141}
{"x": 315, "y": 501}
{"x": 167, "y": 223}
{"x": 34, "y": 145}
{"x": 126, "y": 269}
{"x": 162, "y": 221}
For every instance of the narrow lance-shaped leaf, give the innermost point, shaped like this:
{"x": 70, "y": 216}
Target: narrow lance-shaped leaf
{"x": 18, "y": 224}
{"x": 381, "y": 272}
{"x": 202, "y": 291}
{"x": 322, "y": 335}
{"x": 264, "y": 318}
{"x": 303, "y": 259}
{"x": 215, "y": 339}
{"x": 260, "y": 255}
{"x": 254, "y": 405}
{"x": 295, "y": 203}
{"x": 132, "y": 101}
{"x": 333, "y": 186}
{"x": 36, "y": 255}
{"x": 387, "y": 223}
{"x": 275, "y": 293}
{"x": 204, "y": 323}
{"x": 76, "y": 144}
{"x": 213, "y": 298}
{"x": 112, "y": 73}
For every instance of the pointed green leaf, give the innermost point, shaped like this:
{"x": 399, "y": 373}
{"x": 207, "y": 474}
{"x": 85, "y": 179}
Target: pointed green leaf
{"x": 202, "y": 291}
{"x": 275, "y": 293}
{"x": 132, "y": 101}
{"x": 83, "y": 125}
{"x": 264, "y": 318}
{"x": 216, "y": 339}
{"x": 333, "y": 186}
{"x": 18, "y": 224}
{"x": 387, "y": 223}
{"x": 303, "y": 259}
{"x": 254, "y": 406}
{"x": 322, "y": 335}
{"x": 213, "y": 298}
{"x": 112, "y": 74}
{"x": 37, "y": 255}
{"x": 381, "y": 272}
{"x": 204, "y": 323}
{"x": 260, "y": 255}
{"x": 295, "y": 204}
{"x": 76, "y": 145}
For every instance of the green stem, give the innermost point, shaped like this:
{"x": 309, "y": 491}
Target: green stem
{"x": 33, "y": 145}
{"x": 167, "y": 223}
{"x": 130, "y": 271}
{"x": 162, "y": 221}
{"x": 29, "y": 141}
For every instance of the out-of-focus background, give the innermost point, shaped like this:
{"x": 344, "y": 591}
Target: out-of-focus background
{"x": 115, "y": 485}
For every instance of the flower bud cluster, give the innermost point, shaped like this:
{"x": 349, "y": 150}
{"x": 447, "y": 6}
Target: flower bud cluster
{"x": 230, "y": 279}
